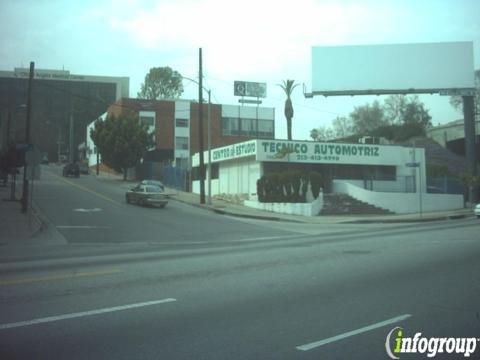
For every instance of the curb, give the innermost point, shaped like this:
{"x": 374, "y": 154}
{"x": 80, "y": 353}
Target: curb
{"x": 229, "y": 213}
{"x": 398, "y": 221}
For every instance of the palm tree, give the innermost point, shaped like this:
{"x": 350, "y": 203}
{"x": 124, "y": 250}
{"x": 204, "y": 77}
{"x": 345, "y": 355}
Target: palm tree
{"x": 288, "y": 86}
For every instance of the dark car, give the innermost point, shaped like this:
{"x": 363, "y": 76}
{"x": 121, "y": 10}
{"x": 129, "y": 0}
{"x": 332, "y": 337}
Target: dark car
{"x": 71, "y": 170}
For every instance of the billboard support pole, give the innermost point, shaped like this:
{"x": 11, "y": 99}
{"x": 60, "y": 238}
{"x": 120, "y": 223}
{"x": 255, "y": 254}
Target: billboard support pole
{"x": 27, "y": 136}
{"x": 470, "y": 137}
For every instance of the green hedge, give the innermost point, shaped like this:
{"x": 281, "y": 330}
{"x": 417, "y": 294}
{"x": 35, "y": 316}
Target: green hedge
{"x": 288, "y": 187}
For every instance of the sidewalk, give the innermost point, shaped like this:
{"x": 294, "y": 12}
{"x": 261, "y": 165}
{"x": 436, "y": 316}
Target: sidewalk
{"x": 16, "y": 228}
{"x": 228, "y": 208}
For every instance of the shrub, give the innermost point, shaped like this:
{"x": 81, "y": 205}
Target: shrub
{"x": 316, "y": 183}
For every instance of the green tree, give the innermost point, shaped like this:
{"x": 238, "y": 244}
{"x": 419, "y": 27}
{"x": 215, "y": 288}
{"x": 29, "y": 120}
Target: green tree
{"x": 288, "y": 86}
{"x": 121, "y": 141}
{"x": 161, "y": 83}
{"x": 367, "y": 118}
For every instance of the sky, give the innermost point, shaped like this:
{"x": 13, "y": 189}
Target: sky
{"x": 251, "y": 40}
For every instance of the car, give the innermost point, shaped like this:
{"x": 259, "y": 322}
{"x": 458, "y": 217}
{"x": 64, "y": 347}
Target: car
{"x": 477, "y": 211}
{"x": 84, "y": 168}
{"x": 71, "y": 169}
{"x": 153, "y": 182}
{"x": 44, "y": 159}
{"x": 146, "y": 195}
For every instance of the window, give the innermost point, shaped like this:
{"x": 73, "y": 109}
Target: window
{"x": 247, "y": 127}
{"x": 181, "y": 143}
{"x": 147, "y": 120}
{"x": 181, "y": 122}
{"x": 230, "y": 126}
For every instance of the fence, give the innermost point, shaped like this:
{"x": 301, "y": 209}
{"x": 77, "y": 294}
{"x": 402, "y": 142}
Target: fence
{"x": 171, "y": 176}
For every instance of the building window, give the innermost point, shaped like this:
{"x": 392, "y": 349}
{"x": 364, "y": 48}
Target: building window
{"x": 247, "y": 127}
{"x": 230, "y": 126}
{"x": 181, "y": 122}
{"x": 147, "y": 120}
{"x": 181, "y": 143}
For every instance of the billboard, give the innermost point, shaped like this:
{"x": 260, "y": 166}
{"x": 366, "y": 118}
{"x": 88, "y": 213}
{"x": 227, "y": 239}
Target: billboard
{"x": 386, "y": 69}
{"x": 247, "y": 88}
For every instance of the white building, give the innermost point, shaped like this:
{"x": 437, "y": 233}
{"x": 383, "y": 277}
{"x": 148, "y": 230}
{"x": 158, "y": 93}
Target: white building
{"x": 390, "y": 177}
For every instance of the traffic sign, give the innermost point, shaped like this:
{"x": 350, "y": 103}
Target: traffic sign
{"x": 412, "y": 164}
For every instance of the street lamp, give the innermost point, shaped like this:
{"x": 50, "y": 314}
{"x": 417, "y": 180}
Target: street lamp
{"x": 209, "y": 120}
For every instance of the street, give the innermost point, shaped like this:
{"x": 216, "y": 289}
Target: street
{"x": 122, "y": 281}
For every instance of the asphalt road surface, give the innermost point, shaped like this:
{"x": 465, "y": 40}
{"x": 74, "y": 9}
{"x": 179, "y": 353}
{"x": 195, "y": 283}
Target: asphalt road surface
{"x": 251, "y": 290}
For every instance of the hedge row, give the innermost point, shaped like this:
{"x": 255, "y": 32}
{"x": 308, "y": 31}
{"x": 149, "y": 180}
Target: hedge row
{"x": 288, "y": 186}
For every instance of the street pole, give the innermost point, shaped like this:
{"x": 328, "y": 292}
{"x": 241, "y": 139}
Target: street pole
{"x": 209, "y": 179}
{"x": 71, "y": 155}
{"x": 27, "y": 137}
{"x": 200, "y": 128}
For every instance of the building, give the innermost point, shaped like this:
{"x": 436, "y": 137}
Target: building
{"x": 387, "y": 176}
{"x": 174, "y": 125}
{"x": 452, "y": 136}
{"x": 59, "y": 99}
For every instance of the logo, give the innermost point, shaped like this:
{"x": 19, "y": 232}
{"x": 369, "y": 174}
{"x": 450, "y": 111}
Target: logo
{"x": 429, "y": 346}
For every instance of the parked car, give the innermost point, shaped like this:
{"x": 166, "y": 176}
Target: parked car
{"x": 153, "y": 182}
{"x": 146, "y": 195}
{"x": 477, "y": 211}
{"x": 71, "y": 169}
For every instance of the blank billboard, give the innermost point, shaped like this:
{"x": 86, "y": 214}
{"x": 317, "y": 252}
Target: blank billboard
{"x": 389, "y": 68}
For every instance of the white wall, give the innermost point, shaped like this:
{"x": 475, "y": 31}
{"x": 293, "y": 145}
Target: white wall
{"x": 235, "y": 177}
{"x": 401, "y": 203}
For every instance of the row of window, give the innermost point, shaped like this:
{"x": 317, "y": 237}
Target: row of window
{"x": 247, "y": 127}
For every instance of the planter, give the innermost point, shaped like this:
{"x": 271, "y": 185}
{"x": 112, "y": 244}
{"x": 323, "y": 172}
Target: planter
{"x": 303, "y": 209}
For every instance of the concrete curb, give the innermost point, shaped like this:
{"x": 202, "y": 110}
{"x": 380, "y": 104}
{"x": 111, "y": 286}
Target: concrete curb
{"x": 398, "y": 221}
{"x": 229, "y": 213}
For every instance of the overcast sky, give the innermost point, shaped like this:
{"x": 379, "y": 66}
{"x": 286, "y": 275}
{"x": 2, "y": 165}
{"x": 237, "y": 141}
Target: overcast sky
{"x": 253, "y": 40}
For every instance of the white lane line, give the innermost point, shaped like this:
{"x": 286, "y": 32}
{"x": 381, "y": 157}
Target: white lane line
{"x": 82, "y": 227}
{"x": 83, "y": 313}
{"x": 315, "y": 344}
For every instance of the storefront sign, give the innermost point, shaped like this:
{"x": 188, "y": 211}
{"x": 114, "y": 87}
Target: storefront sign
{"x": 315, "y": 152}
{"x": 234, "y": 151}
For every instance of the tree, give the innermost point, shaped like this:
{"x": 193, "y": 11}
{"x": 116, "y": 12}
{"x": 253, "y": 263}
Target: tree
{"x": 322, "y": 133}
{"x": 342, "y": 126}
{"x": 457, "y": 102}
{"x": 393, "y": 107}
{"x": 367, "y": 118}
{"x": 288, "y": 86}
{"x": 161, "y": 83}
{"x": 121, "y": 141}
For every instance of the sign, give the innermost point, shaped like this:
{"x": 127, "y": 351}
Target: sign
{"x": 312, "y": 152}
{"x": 247, "y": 101}
{"x": 329, "y": 153}
{"x": 47, "y": 74}
{"x": 412, "y": 164}
{"x": 252, "y": 89}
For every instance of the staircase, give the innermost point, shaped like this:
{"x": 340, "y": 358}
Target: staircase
{"x": 342, "y": 204}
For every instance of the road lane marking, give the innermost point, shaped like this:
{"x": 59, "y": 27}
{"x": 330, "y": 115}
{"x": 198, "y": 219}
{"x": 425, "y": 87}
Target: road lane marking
{"x": 315, "y": 344}
{"x": 81, "y": 187}
{"x": 59, "y": 277}
{"x": 83, "y": 313}
{"x": 81, "y": 227}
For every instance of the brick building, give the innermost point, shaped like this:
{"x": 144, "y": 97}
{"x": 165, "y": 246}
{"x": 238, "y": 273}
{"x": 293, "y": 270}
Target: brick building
{"x": 175, "y": 126}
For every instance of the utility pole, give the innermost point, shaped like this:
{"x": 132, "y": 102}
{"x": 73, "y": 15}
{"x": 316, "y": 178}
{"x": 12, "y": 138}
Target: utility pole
{"x": 200, "y": 128}
{"x": 71, "y": 151}
{"x": 209, "y": 137}
{"x": 27, "y": 136}
{"x": 470, "y": 148}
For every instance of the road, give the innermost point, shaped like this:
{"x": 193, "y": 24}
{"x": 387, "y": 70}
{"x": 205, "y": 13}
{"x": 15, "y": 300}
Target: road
{"x": 224, "y": 288}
